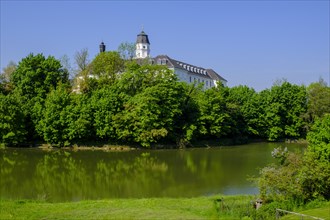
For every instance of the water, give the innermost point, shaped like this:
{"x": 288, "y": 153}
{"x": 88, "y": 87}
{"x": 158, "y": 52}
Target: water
{"x": 72, "y": 176}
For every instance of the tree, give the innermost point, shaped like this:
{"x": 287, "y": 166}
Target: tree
{"x": 66, "y": 65}
{"x": 150, "y": 116}
{"x": 301, "y": 177}
{"x": 243, "y": 103}
{"x": 137, "y": 78}
{"x": 81, "y": 59}
{"x": 37, "y": 75}
{"x": 283, "y": 106}
{"x": 214, "y": 119}
{"x": 315, "y": 174}
{"x": 66, "y": 118}
{"x": 106, "y": 67}
{"x": 126, "y": 50}
{"x": 105, "y": 103}
{"x": 53, "y": 126}
{"x": 318, "y": 100}
{"x": 13, "y": 129}
{"x": 5, "y": 77}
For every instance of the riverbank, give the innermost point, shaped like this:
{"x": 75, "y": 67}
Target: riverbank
{"x": 105, "y": 146}
{"x": 213, "y": 207}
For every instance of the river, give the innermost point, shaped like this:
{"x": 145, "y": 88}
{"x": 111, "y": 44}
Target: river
{"x": 65, "y": 175}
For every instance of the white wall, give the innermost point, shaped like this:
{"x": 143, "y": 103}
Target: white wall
{"x": 141, "y": 52}
{"x": 184, "y": 76}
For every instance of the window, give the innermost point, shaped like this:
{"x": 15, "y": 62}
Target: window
{"x": 207, "y": 83}
{"x": 144, "y": 47}
{"x": 190, "y": 79}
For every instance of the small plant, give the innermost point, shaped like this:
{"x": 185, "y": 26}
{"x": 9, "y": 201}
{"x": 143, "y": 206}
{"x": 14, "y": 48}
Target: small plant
{"x": 280, "y": 154}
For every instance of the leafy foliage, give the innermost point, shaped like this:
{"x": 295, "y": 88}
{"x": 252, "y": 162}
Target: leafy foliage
{"x": 318, "y": 100}
{"x": 283, "y": 106}
{"x": 12, "y": 120}
{"x": 119, "y": 100}
{"x": 106, "y": 67}
{"x": 301, "y": 177}
{"x": 126, "y": 50}
{"x": 37, "y": 75}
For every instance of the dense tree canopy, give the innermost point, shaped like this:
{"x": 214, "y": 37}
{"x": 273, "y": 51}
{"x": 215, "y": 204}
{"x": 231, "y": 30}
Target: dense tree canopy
{"x": 120, "y": 101}
{"x": 36, "y": 75}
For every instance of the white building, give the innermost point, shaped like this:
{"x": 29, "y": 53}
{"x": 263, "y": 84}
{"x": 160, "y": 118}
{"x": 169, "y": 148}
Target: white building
{"x": 185, "y": 72}
{"x": 142, "y": 46}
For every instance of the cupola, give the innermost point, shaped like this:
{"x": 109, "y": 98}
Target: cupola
{"x": 142, "y": 49}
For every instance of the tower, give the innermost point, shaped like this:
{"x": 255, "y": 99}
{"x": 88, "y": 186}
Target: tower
{"x": 142, "y": 46}
{"x": 102, "y": 47}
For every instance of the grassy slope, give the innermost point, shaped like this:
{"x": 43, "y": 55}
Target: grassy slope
{"x": 231, "y": 207}
{"x": 319, "y": 212}
{"x": 155, "y": 208}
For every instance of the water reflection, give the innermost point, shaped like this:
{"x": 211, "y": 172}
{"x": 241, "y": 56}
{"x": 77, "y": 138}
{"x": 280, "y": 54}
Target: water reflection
{"x": 70, "y": 176}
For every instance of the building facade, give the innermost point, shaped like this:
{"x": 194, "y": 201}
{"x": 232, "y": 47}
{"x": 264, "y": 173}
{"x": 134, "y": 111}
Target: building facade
{"x": 186, "y": 72}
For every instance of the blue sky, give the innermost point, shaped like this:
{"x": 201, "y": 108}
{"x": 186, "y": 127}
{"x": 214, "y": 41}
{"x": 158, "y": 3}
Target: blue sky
{"x": 251, "y": 43}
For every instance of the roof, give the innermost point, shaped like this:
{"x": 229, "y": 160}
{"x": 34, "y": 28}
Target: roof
{"x": 214, "y": 75}
{"x": 142, "y": 38}
{"x": 192, "y": 69}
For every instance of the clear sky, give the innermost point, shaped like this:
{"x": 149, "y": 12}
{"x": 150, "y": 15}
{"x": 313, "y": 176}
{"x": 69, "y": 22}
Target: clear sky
{"x": 251, "y": 43}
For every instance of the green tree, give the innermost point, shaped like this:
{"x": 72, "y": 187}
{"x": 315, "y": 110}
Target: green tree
{"x": 137, "y": 78}
{"x": 13, "y": 129}
{"x": 126, "y": 50}
{"x": 80, "y": 118}
{"x": 105, "y": 104}
{"x": 67, "y": 118}
{"x": 214, "y": 115}
{"x": 301, "y": 177}
{"x": 315, "y": 174}
{"x": 149, "y": 116}
{"x": 5, "y": 85}
{"x": 283, "y": 106}
{"x": 159, "y": 107}
{"x": 318, "y": 100}
{"x": 36, "y": 75}
{"x": 53, "y": 126}
{"x": 107, "y": 67}
{"x": 243, "y": 102}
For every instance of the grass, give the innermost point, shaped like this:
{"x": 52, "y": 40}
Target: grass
{"x": 153, "y": 208}
{"x": 323, "y": 213}
{"x": 213, "y": 207}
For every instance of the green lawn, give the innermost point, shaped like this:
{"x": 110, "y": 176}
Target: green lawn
{"x": 323, "y": 213}
{"x": 213, "y": 207}
{"x": 155, "y": 208}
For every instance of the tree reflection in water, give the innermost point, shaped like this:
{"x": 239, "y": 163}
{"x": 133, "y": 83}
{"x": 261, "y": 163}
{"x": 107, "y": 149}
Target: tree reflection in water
{"x": 69, "y": 176}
